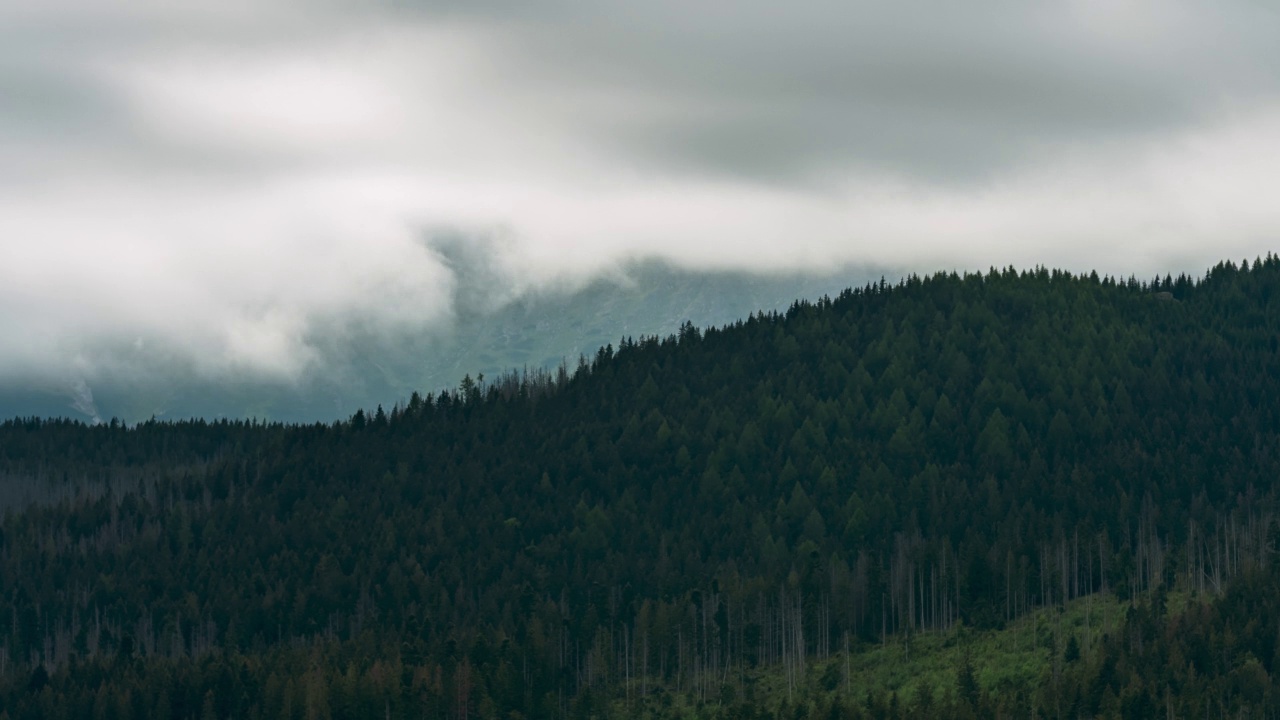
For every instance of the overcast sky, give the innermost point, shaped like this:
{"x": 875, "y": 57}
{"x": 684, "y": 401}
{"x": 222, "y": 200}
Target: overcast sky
{"x": 219, "y": 181}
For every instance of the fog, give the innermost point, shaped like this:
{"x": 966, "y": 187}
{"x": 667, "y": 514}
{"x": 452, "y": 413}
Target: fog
{"x": 226, "y": 190}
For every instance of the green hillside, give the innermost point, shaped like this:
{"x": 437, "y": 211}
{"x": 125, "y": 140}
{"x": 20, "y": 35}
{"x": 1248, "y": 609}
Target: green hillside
{"x": 956, "y": 672}
{"x": 923, "y": 467}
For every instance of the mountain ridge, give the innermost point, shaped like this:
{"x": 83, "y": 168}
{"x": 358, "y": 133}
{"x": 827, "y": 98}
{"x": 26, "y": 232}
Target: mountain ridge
{"x": 678, "y": 512}
{"x": 537, "y": 329}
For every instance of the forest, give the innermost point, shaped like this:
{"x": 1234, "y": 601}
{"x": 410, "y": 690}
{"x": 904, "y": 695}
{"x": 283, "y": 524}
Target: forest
{"x": 720, "y": 523}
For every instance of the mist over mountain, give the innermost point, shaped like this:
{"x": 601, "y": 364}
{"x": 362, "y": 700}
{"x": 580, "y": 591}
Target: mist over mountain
{"x": 230, "y": 207}
{"x": 1009, "y": 494}
{"x": 503, "y": 360}
{"x": 492, "y": 326}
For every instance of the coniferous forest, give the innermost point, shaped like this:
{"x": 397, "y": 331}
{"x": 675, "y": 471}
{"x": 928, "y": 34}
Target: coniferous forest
{"x": 718, "y": 524}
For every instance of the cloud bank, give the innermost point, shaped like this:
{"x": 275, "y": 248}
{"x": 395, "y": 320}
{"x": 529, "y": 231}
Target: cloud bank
{"x": 225, "y": 187}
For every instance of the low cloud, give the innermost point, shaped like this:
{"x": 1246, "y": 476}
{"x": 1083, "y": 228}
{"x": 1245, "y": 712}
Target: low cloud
{"x": 222, "y": 189}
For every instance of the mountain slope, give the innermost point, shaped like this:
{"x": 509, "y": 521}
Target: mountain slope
{"x": 487, "y": 333}
{"x": 902, "y": 459}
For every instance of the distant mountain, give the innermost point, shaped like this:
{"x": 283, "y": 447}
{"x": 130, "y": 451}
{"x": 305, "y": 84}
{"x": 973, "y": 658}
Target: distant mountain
{"x": 490, "y": 333}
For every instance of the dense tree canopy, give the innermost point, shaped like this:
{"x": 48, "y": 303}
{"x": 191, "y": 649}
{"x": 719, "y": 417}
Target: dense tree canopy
{"x": 901, "y": 458}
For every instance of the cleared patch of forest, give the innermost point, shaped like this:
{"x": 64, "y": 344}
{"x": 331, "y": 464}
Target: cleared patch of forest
{"x": 952, "y": 673}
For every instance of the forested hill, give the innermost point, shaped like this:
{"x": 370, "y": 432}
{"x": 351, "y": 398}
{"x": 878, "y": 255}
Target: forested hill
{"x": 673, "y": 517}
{"x": 354, "y": 367}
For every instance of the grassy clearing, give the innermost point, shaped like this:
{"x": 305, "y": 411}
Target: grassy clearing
{"x": 1009, "y": 659}
{"x": 1013, "y": 659}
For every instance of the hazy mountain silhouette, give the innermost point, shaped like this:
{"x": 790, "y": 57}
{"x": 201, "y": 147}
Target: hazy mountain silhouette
{"x": 490, "y": 332}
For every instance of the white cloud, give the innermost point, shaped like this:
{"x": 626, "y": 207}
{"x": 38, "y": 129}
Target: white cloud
{"x": 225, "y": 186}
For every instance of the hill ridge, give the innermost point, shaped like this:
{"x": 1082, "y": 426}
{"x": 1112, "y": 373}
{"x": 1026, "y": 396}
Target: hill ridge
{"x": 947, "y": 450}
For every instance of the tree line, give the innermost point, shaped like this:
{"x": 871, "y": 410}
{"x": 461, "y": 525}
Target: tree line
{"x": 663, "y": 518}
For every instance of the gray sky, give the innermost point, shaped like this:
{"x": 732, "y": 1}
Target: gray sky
{"x": 217, "y": 183}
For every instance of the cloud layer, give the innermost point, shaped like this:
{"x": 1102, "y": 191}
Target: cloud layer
{"x": 225, "y": 187}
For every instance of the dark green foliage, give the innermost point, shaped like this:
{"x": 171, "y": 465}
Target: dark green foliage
{"x": 967, "y": 688}
{"x": 1072, "y": 653}
{"x": 1219, "y": 655}
{"x": 673, "y": 511}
